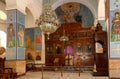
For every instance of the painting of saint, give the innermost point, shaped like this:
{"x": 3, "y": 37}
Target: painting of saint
{"x": 28, "y": 41}
{"x": 58, "y": 49}
{"x": 79, "y": 48}
{"x": 49, "y": 50}
{"x": 116, "y": 26}
{"x": 21, "y": 35}
{"x": 10, "y": 35}
{"x": 89, "y": 48}
{"x": 38, "y": 39}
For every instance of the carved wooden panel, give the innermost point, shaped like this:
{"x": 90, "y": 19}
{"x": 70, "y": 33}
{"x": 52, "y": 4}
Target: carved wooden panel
{"x": 78, "y": 36}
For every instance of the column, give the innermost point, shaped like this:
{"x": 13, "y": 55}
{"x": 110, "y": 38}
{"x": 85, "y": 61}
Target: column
{"x": 15, "y": 51}
{"x": 114, "y": 36}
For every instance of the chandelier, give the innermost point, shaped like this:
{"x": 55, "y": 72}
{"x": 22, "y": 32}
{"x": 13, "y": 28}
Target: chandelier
{"x": 48, "y": 21}
{"x": 64, "y": 37}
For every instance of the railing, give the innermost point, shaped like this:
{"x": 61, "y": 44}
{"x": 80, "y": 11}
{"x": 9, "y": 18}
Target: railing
{"x": 42, "y": 67}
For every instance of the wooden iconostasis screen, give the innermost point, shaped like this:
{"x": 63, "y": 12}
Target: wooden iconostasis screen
{"x": 80, "y": 39}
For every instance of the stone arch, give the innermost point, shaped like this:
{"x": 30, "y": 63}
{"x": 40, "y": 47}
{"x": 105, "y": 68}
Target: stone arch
{"x": 29, "y": 19}
{"x": 33, "y": 10}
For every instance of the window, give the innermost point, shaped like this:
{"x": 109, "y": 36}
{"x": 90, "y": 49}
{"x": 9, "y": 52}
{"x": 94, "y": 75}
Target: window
{"x": 99, "y": 47}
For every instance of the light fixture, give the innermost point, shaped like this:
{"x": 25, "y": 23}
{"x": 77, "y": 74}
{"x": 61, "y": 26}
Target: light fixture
{"x": 48, "y": 21}
{"x": 64, "y": 37}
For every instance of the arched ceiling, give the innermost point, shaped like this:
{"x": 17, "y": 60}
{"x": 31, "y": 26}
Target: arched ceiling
{"x": 91, "y": 4}
{"x": 75, "y": 12}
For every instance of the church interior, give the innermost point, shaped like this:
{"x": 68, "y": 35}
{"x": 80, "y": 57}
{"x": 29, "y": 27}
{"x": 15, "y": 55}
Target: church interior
{"x": 59, "y": 39}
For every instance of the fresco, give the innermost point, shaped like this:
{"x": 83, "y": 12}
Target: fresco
{"x": 11, "y": 54}
{"x": 20, "y": 53}
{"x": 15, "y": 35}
{"x": 114, "y": 28}
{"x": 75, "y": 12}
{"x": 20, "y": 18}
{"x": 33, "y": 43}
{"x": 11, "y": 16}
{"x": 11, "y": 33}
{"x": 29, "y": 39}
{"x": 38, "y": 39}
{"x": 20, "y": 35}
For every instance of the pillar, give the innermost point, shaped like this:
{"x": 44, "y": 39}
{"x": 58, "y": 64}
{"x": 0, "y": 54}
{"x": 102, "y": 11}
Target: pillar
{"x": 15, "y": 51}
{"x": 114, "y": 36}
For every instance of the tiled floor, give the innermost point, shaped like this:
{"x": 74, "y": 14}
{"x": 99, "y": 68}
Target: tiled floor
{"x": 57, "y": 75}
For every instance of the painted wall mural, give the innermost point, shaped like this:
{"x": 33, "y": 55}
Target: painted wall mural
{"x": 33, "y": 43}
{"x": 29, "y": 39}
{"x": 20, "y": 35}
{"x": 11, "y": 16}
{"x": 38, "y": 39}
{"x": 114, "y": 29}
{"x": 75, "y": 12}
{"x": 15, "y": 35}
{"x": 21, "y": 53}
{"x": 11, "y": 35}
{"x": 11, "y": 53}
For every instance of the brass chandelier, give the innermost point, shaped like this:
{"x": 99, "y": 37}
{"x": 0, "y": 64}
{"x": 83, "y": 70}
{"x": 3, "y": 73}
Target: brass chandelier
{"x": 64, "y": 37}
{"x": 48, "y": 21}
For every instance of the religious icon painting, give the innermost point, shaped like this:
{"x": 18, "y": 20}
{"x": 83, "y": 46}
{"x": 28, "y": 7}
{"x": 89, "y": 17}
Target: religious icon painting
{"x": 20, "y": 35}
{"x": 11, "y": 32}
{"x": 38, "y": 39}
{"x": 114, "y": 23}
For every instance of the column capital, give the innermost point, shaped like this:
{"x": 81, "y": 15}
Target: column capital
{"x": 16, "y": 4}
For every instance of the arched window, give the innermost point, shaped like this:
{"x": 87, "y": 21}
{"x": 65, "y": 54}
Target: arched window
{"x": 2, "y": 39}
{"x": 3, "y": 16}
{"x": 99, "y": 47}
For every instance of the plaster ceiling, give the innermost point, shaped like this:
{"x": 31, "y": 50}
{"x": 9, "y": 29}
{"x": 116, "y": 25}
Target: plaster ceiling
{"x": 92, "y": 2}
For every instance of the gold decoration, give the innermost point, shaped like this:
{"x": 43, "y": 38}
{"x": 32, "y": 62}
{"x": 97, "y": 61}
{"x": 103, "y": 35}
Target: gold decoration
{"x": 48, "y": 21}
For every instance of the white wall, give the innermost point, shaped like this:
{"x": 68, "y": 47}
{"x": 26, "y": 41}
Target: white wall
{"x": 2, "y": 22}
{"x": 29, "y": 19}
{"x": 3, "y": 39}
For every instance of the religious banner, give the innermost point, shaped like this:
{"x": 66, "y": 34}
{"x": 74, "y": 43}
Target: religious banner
{"x": 114, "y": 28}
